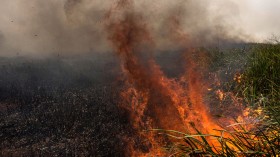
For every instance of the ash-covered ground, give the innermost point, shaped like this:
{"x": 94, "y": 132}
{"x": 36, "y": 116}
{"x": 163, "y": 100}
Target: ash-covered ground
{"x": 60, "y": 106}
{"x": 66, "y": 106}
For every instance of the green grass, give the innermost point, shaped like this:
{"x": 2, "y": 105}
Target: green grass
{"x": 261, "y": 79}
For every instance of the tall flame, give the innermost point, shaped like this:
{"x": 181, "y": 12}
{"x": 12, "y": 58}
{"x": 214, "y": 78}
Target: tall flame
{"x": 154, "y": 100}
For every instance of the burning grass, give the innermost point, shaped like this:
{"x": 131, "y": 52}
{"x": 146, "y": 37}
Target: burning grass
{"x": 239, "y": 142}
{"x": 258, "y": 135}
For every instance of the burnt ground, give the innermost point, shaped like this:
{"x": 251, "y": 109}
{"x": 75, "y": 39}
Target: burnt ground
{"x": 61, "y": 106}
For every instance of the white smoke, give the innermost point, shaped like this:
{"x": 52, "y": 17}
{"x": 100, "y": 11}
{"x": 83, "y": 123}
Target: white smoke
{"x": 37, "y": 27}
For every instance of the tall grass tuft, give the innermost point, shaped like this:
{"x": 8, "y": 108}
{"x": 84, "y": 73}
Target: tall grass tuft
{"x": 237, "y": 142}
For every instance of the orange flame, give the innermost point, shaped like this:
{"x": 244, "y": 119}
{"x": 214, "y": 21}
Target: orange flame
{"x": 155, "y": 101}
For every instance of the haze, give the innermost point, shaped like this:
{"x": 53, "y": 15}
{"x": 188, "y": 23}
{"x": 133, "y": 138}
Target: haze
{"x": 44, "y": 27}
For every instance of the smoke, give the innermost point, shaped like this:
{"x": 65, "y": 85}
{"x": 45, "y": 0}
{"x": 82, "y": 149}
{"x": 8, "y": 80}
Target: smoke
{"x": 43, "y": 28}
{"x": 77, "y": 26}
{"x": 1, "y": 38}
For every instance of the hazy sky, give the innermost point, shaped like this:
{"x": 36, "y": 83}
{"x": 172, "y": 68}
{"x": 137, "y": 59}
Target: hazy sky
{"x": 32, "y": 26}
{"x": 260, "y": 17}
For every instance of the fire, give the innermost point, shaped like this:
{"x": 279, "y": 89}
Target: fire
{"x": 237, "y": 77}
{"x": 154, "y": 100}
{"x": 220, "y": 94}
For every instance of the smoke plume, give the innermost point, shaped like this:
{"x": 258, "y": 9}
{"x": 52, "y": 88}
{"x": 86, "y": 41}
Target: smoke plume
{"x": 77, "y": 26}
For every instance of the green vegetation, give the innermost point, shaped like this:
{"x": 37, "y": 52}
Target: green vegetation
{"x": 258, "y": 84}
{"x": 261, "y": 80}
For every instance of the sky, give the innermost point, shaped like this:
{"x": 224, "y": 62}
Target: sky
{"x": 41, "y": 27}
